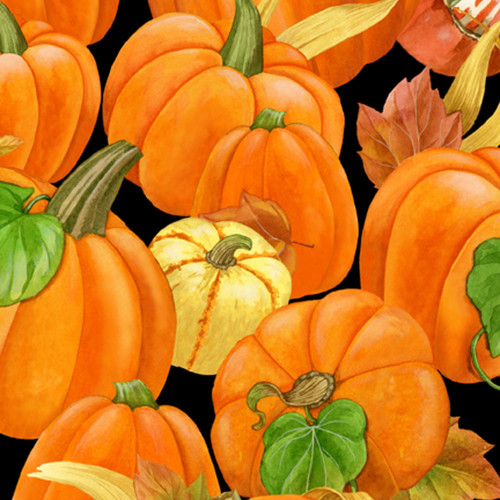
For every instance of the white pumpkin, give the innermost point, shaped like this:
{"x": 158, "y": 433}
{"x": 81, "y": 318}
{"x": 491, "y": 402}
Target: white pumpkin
{"x": 225, "y": 279}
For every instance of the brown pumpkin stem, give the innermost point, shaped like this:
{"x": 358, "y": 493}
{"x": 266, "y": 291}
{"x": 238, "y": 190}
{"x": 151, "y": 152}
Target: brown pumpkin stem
{"x": 12, "y": 40}
{"x": 243, "y": 49}
{"x": 222, "y": 254}
{"x": 84, "y": 200}
{"x": 269, "y": 119}
{"x": 309, "y": 390}
{"x": 134, "y": 394}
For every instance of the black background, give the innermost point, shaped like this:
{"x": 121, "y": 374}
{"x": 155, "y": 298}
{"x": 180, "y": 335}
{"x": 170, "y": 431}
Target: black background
{"x": 474, "y": 403}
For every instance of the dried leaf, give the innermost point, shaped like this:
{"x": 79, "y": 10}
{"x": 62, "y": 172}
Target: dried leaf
{"x": 462, "y": 472}
{"x": 413, "y": 119}
{"x": 266, "y": 10}
{"x": 267, "y": 218}
{"x": 97, "y": 482}
{"x": 329, "y": 494}
{"x": 488, "y": 135}
{"x": 467, "y": 90}
{"x": 9, "y": 143}
{"x": 329, "y": 27}
{"x": 158, "y": 482}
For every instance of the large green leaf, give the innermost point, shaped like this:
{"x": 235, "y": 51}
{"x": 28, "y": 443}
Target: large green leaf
{"x": 299, "y": 456}
{"x": 31, "y": 246}
{"x": 483, "y": 289}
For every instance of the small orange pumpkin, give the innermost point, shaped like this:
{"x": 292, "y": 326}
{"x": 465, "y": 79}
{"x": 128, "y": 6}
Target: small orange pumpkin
{"x": 337, "y": 65}
{"x": 86, "y": 20}
{"x": 176, "y": 88}
{"x": 294, "y": 166}
{"x": 379, "y": 357}
{"x": 50, "y": 95}
{"x": 417, "y": 248}
{"x": 112, "y": 433}
{"x": 107, "y": 313}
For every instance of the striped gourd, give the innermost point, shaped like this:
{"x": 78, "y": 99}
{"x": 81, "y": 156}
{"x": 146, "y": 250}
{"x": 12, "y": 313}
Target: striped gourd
{"x": 225, "y": 278}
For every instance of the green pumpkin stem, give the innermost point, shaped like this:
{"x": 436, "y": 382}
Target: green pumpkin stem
{"x": 134, "y": 394}
{"x": 12, "y": 40}
{"x": 269, "y": 119}
{"x": 309, "y": 391}
{"x": 222, "y": 254}
{"x": 243, "y": 49}
{"x": 475, "y": 361}
{"x": 84, "y": 200}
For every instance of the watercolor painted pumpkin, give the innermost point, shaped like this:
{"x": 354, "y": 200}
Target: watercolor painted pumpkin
{"x": 111, "y": 433}
{"x": 107, "y": 311}
{"x": 347, "y": 346}
{"x": 337, "y": 65}
{"x": 86, "y": 20}
{"x": 417, "y": 247}
{"x": 50, "y": 95}
{"x": 297, "y": 168}
{"x": 178, "y": 85}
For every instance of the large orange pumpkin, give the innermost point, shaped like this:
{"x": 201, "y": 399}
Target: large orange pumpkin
{"x": 379, "y": 357}
{"x": 337, "y": 65}
{"x": 417, "y": 248}
{"x": 112, "y": 433}
{"x": 86, "y": 20}
{"x": 50, "y": 95}
{"x": 171, "y": 92}
{"x": 294, "y": 166}
{"x": 107, "y": 314}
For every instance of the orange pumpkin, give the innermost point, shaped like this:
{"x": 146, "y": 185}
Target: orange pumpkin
{"x": 112, "y": 433}
{"x": 417, "y": 248}
{"x": 294, "y": 166}
{"x": 49, "y": 94}
{"x": 86, "y": 20}
{"x": 107, "y": 314}
{"x": 379, "y": 357}
{"x": 171, "y": 92}
{"x": 337, "y": 65}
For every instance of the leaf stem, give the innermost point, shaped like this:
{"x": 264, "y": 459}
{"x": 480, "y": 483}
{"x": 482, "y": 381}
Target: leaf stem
{"x": 309, "y": 416}
{"x": 354, "y": 485}
{"x": 475, "y": 361}
{"x": 30, "y": 205}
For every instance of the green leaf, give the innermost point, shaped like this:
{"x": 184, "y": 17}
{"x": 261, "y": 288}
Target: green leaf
{"x": 299, "y": 457}
{"x": 31, "y": 246}
{"x": 483, "y": 289}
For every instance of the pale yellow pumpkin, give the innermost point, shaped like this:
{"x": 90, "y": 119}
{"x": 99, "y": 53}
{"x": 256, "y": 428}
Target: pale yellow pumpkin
{"x": 225, "y": 279}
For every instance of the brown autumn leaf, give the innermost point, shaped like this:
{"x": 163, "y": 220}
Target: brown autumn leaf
{"x": 158, "y": 482}
{"x": 267, "y": 218}
{"x": 9, "y": 143}
{"x": 462, "y": 472}
{"x": 413, "y": 119}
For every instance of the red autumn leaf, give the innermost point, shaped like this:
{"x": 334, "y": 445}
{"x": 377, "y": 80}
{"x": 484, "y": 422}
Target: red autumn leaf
{"x": 267, "y": 218}
{"x": 413, "y": 119}
{"x": 462, "y": 472}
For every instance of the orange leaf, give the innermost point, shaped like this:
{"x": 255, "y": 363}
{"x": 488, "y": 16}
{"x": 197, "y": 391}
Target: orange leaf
{"x": 413, "y": 119}
{"x": 462, "y": 472}
{"x": 267, "y": 218}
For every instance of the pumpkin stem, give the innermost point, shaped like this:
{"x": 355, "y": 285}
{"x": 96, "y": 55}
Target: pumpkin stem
{"x": 475, "y": 361}
{"x": 243, "y": 49}
{"x": 269, "y": 119}
{"x": 309, "y": 390}
{"x": 222, "y": 254}
{"x": 134, "y": 394}
{"x": 12, "y": 40}
{"x": 84, "y": 200}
